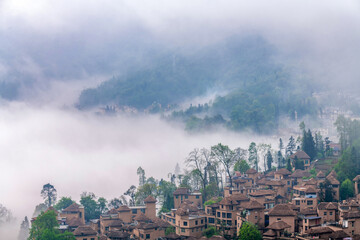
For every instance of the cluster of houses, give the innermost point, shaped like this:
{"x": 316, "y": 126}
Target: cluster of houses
{"x": 282, "y": 204}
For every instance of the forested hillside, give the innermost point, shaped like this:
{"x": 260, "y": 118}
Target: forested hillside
{"x": 257, "y": 90}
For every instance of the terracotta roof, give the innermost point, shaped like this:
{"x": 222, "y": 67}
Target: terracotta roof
{"x": 339, "y": 235}
{"x": 300, "y": 155}
{"x": 320, "y": 230}
{"x": 116, "y": 223}
{"x": 123, "y": 208}
{"x": 112, "y": 211}
{"x": 300, "y": 174}
{"x": 283, "y": 171}
{"x": 270, "y": 233}
{"x": 251, "y": 171}
{"x": 262, "y": 193}
{"x": 182, "y": 191}
{"x": 282, "y": 210}
{"x": 72, "y": 208}
{"x": 332, "y": 180}
{"x": 102, "y": 237}
{"x": 308, "y": 211}
{"x": 327, "y": 206}
{"x": 320, "y": 174}
{"x": 310, "y": 189}
{"x": 270, "y": 174}
{"x": 310, "y": 182}
{"x": 240, "y": 180}
{"x": 84, "y": 231}
{"x": 150, "y": 199}
{"x": 161, "y": 222}
{"x": 333, "y": 173}
{"x": 253, "y": 204}
{"x": 118, "y": 234}
{"x": 141, "y": 217}
{"x": 239, "y": 197}
{"x": 226, "y": 201}
{"x": 172, "y": 236}
{"x": 278, "y": 225}
{"x": 348, "y": 215}
{"x": 74, "y": 222}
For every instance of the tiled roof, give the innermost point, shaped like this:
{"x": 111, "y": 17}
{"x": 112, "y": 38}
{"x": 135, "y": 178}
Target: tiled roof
{"x": 150, "y": 199}
{"x": 251, "y": 171}
{"x": 320, "y": 174}
{"x": 327, "y": 206}
{"x": 278, "y": 225}
{"x": 270, "y": 233}
{"x": 181, "y": 191}
{"x": 123, "y": 208}
{"x": 283, "y": 171}
{"x": 300, "y": 174}
{"x": 72, "y": 208}
{"x": 262, "y": 193}
{"x": 300, "y": 155}
{"x": 253, "y": 204}
{"x": 74, "y": 222}
{"x": 310, "y": 189}
{"x": 339, "y": 235}
{"x": 332, "y": 180}
{"x": 118, "y": 234}
{"x": 282, "y": 210}
{"x": 320, "y": 230}
{"x": 141, "y": 217}
{"x": 84, "y": 231}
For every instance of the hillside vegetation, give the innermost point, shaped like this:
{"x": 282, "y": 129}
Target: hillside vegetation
{"x": 258, "y": 90}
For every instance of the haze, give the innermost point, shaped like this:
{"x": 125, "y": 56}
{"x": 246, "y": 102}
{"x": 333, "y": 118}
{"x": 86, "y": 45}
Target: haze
{"x": 51, "y": 50}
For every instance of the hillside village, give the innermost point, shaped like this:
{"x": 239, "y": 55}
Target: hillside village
{"x": 281, "y": 204}
{"x": 311, "y": 193}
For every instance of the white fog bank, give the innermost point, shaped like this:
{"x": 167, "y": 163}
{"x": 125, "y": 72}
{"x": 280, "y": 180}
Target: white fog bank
{"x": 77, "y": 151}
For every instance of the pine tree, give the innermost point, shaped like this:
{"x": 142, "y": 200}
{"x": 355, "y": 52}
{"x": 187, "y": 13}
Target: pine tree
{"x": 269, "y": 160}
{"x": 290, "y": 149}
{"x": 24, "y": 229}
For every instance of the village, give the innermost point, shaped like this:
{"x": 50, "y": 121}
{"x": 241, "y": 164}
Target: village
{"x": 280, "y": 204}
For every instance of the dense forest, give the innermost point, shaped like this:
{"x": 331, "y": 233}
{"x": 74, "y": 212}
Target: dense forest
{"x": 256, "y": 90}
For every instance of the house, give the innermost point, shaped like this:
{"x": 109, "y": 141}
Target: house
{"x": 277, "y": 229}
{"x": 253, "y": 212}
{"x": 320, "y": 232}
{"x": 85, "y": 233}
{"x": 307, "y": 219}
{"x": 283, "y": 212}
{"x": 298, "y": 175}
{"x": 335, "y": 185}
{"x": 301, "y": 155}
{"x": 182, "y": 194}
{"x": 327, "y": 211}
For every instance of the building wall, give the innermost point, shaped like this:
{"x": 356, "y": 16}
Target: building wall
{"x": 288, "y": 219}
{"x": 327, "y": 215}
{"x": 151, "y": 234}
{"x": 305, "y": 203}
{"x": 150, "y": 211}
{"x": 125, "y": 216}
{"x": 186, "y": 226}
{"x": 92, "y": 237}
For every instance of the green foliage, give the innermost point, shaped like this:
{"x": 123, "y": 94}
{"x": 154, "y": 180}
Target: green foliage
{"x": 49, "y": 194}
{"x": 313, "y": 173}
{"x": 165, "y": 193}
{"x": 346, "y": 190}
{"x": 93, "y": 207}
{"x": 210, "y": 231}
{"x": 298, "y": 163}
{"x": 259, "y": 90}
{"x": 326, "y": 193}
{"x": 212, "y": 201}
{"x": 308, "y": 144}
{"x": 253, "y": 157}
{"x": 241, "y": 166}
{"x": 269, "y": 160}
{"x": 248, "y": 231}
{"x": 63, "y": 203}
{"x": 288, "y": 165}
{"x": 169, "y": 230}
{"x": 349, "y": 162}
{"x": 45, "y": 227}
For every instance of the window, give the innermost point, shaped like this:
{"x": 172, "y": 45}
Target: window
{"x": 177, "y": 197}
{"x": 331, "y": 213}
{"x": 92, "y": 239}
{"x": 211, "y": 220}
{"x": 255, "y": 216}
{"x": 288, "y": 182}
{"x": 182, "y": 230}
{"x": 185, "y": 223}
{"x": 228, "y": 222}
{"x": 325, "y": 213}
{"x": 186, "y": 197}
{"x": 134, "y": 211}
{"x": 196, "y": 222}
{"x": 147, "y": 236}
{"x": 297, "y": 202}
{"x": 310, "y": 202}
{"x": 228, "y": 215}
{"x": 279, "y": 219}
{"x": 223, "y": 215}
{"x": 142, "y": 210}
{"x": 352, "y": 224}
{"x": 202, "y": 221}
{"x": 197, "y": 197}
{"x": 305, "y": 228}
{"x": 192, "y": 230}
{"x": 218, "y": 214}
{"x": 305, "y": 220}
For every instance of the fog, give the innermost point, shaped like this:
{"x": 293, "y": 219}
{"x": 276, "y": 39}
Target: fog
{"x": 54, "y": 49}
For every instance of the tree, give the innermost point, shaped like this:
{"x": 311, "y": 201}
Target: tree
{"x": 169, "y": 230}
{"x": 281, "y": 145}
{"x": 269, "y": 160}
{"x": 131, "y": 193}
{"x": 280, "y": 159}
{"x": 149, "y": 188}
{"x": 248, "y": 231}
{"x": 49, "y": 194}
{"x": 88, "y": 200}
{"x": 45, "y": 227}
{"x": 210, "y": 231}
{"x": 63, "y": 203}
{"x": 253, "y": 156}
{"x": 241, "y": 166}
{"x": 290, "y": 148}
{"x": 115, "y": 203}
{"x": 39, "y": 209}
{"x": 346, "y": 189}
{"x": 200, "y": 161}
{"x": 227, "y": 157}
{"x": 165, "y": 192}
{"x": 298, "y": 163}
{"x": 24, "y": 229}
{"x": 141, "y": 173}
{"x": 308, "y": 144}
{"x": 326, "y": 193}
{"x": 262, "y": 150}
{"x": 288, "y": 165}
{"x": 102, "y": 205}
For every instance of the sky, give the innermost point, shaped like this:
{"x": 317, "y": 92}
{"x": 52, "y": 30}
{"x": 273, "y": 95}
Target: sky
{"x": 55, "y": 49}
